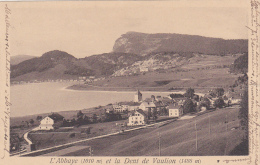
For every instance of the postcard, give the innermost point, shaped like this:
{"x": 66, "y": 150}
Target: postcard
{"x": 129, "y": 82}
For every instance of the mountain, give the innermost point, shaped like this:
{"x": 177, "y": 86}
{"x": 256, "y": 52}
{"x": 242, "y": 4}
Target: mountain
{"x": 51, "y": 65}
{"x": 61, "y": 65}
{"x": 20, "y": 58}
{"x": 135, "y": 53}
{"x": 143, "y": 44}
{"x": 156, "y": 62}
{"x": 108, "y": 63}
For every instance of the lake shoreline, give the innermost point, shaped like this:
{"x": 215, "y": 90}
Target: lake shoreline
{"x": 85, "y": 87}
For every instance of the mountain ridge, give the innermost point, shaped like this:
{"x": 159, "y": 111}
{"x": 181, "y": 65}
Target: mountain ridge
{"x": 144, "y": 43}
{"x": 133, "y": 53}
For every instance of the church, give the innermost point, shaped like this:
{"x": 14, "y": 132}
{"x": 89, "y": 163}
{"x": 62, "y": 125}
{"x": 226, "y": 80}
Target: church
{"x": 138, "y": 96}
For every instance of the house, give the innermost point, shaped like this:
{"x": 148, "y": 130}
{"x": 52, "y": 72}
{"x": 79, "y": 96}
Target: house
{"x": 51, "y": 121}
{"x": 138, "y": 96}
{"x": 46, "y": 123}
{"x": 117, "y": 108}
{"x": 138, "y": 117}
{"x": 147, "y": 106}
{"x": 175, "y": 110}
{"x": 123, "y": 107}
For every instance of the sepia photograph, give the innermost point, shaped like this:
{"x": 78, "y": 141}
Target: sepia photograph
{"x": 128, "y": 79}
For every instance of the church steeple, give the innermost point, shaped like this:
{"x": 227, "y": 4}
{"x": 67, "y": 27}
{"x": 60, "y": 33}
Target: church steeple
{"x": 138, "y": 96}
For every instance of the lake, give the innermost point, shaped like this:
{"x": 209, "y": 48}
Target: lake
{"x": 36, "y": 98}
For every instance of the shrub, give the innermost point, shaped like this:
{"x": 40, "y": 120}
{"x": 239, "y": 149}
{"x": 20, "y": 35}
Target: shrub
{"x": 219, "y": 103}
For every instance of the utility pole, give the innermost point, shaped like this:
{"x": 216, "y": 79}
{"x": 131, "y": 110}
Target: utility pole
{"x": 209, "y": 125}
{"x": 159, "y": 143}
{"x": 90, "y": 151}
{"x": 226, "y": 123}
{"x": 196, "y": 136}
{"x": 225, "y": 152}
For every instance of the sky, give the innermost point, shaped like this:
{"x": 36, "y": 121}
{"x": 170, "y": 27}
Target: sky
{"x": 87, "y": 28}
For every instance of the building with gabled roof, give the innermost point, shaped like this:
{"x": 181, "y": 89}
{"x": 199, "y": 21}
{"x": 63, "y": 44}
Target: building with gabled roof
{"x": 175, "y": 110}
{"x": 146, "y": 106}
{"x": 48, "y": 122}
{"x": 137, "y": 117}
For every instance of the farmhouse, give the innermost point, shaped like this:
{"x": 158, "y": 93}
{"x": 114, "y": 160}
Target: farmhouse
{"x": 175, "y": 110}
{"x": 46, "y": 123}
{"x": 49, "y": 122}
{"x": 138, "y": 117}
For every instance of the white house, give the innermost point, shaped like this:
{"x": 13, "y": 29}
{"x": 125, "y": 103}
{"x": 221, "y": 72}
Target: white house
{"x": 46, "y": 123}
{"x": 117, "y": 108}
{"x": 51, "y": 122}
{"x": 138, "y": 117}
{"x": 175, "y": 110}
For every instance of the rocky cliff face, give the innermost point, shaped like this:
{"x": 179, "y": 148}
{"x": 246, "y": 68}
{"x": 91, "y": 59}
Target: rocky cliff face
{"x": 143, "y": 44}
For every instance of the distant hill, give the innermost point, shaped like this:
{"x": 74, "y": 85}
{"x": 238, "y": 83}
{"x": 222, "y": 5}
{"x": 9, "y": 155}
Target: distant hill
{"x": 108, "y": 63}
{"x": 143, "y": 44}
{"x": 61, "y": 65}
{"x": 53, "y": 64}
{"x": 134, "y": 53}
{"x": 20, "y": 58}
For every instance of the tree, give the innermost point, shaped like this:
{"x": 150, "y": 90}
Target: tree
{"x": 196, "y": 97}
{"x": 219, "y": 92}
{"x": 205, "y": 102}
{"x": 80, "y": 119}
{"x": 39, "y": 118}
{"x": 243, "y": 111}
{"x": 172, "y": 96}
{"x": 154, "y": 114}
{"x": 86, "y": 119}
{"x": 188, "y": 106}
{"x": 175, "y": 95}
{"x": 219, "y": 103}
{"x": 153, "y": 97}
{"x": 80, "y": 114}
{"x": 31, "y": 121}
{"x": 94, "y": 118}
{"x": 189, "y": 93}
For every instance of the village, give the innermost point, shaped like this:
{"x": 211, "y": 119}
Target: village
{"x": 123, "y": 116}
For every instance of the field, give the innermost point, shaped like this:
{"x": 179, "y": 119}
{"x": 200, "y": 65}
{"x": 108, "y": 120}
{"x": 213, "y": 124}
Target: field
{"x": 155, "y": 81}
{"x": 200, "y": 72}
{"x": 221, "y": 137}
{"x": 45, "y": 139}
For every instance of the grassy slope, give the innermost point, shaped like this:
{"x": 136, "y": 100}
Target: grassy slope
{"x": 177, "y": 138}
{"x": 199, "y": 72}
